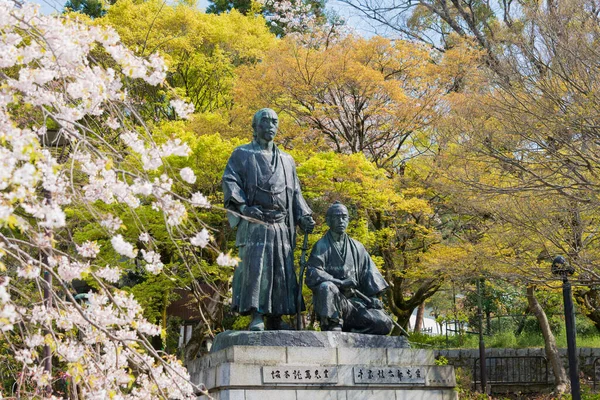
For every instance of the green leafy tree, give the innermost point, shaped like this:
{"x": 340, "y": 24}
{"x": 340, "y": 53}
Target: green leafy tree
{"x": 93, "y": 8}
{"x": 221, "y": 6}
{"x": 394, "y": 226}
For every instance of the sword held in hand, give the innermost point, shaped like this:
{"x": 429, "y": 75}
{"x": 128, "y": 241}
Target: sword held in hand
{"x": 301, "y": 282}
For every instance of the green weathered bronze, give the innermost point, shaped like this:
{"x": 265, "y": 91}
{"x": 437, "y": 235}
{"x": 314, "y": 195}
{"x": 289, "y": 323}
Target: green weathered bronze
{"x": 345, "y": 281}
{"x": 262, "y": 193}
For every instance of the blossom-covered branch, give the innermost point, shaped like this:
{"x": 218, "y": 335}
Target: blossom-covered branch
{"x": 109, "y": 160}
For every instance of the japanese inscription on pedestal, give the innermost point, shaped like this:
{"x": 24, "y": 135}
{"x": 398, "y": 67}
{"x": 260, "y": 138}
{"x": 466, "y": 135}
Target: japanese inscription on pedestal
{"x": 389, "y": 375}
{"x": 300, "y": 374}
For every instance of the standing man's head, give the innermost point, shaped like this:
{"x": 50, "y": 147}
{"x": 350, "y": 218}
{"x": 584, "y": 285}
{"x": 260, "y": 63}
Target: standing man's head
{"x": 265, "y": 124}
{"x": 337, "y": 218}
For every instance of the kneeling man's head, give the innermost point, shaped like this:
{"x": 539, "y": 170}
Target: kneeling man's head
{"x": 337, "y": 217}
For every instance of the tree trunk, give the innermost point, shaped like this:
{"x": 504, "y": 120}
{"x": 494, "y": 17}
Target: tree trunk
{"x": 561, "y": 381}
{"x": 403, "y": 317}
{"x": 589, "y": 301}
{"x": 419, "y": 319}
{"x": 522, "y": 321}
{"x": 403, "y": 307}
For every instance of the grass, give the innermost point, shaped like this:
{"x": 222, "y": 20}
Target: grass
{"x": 500, "y": 340}
{"x": 504, "y": 337}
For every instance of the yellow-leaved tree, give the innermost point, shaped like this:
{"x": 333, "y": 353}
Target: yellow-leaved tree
{"x": 201, "y": 50}
{"x": 353, "y": 94}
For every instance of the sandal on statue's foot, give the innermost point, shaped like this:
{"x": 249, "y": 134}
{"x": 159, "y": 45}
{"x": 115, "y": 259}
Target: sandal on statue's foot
{"x": 336, "y": 325}
{"x": 333, "y": 325}
{"x": 257, "y": 323}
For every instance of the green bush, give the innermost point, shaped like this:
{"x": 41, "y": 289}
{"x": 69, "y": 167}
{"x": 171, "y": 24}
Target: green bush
{"x": 530, "y": 339}
{"x": 241, "y": 322}
{"x": 504, "y": 339}
{"x": 441, "y": 360}
{"x": 504, "y": 324}
{"x": 585, "y": 326}
{"x": 532, "y": 326}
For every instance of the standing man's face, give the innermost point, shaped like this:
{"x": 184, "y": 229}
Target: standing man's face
{"x": 267, "y": 126}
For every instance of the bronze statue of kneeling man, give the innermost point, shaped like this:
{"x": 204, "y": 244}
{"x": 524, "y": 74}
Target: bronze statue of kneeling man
{"x": 345, "y": 282}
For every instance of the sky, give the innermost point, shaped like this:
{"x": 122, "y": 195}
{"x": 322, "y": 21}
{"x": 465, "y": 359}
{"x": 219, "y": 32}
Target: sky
{"x": 349, "y": 14}
{"x": 49, "y": 6}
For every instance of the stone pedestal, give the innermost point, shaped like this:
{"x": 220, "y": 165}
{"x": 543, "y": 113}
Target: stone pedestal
{"x": 320, "y": 366}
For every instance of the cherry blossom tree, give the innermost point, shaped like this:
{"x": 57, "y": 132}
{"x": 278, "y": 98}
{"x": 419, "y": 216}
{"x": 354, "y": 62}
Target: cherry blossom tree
{"x": 50, "y": 77}
{"x": 305, "y": 21}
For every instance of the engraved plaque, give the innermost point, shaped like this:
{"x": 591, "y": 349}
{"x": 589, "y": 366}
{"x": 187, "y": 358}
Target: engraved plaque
{"x": 389, "y": 375}
{"x": 299, "y": 375}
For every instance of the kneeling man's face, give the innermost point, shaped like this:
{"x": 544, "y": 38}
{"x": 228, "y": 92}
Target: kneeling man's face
{"x": 338, "y": 221}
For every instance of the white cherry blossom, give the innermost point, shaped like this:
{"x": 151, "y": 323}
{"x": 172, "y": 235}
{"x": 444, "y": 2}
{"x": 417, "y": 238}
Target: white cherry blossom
{"x": 182, "y": 108}
{"x": 109, "y": 274}
{"x": 122, "y": 247}
{"x": 198, "y": 200}
{"x": 154, "y": 265}
{"x": 111, "y": 223}
{"x": 201, "y": 239}
{"x": 226, "y": 260}
{"x": 187, "y": 174}
{"x": 29, "y": 271}
{"x": 88, "y": 249}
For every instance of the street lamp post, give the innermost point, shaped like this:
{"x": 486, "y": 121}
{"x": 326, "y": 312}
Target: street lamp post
{"x": 561, "y": 268}
{"x": 482, "y": 365}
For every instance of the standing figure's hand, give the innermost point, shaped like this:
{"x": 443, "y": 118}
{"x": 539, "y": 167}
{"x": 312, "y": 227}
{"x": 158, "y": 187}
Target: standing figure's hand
{"x": 253, "y": 212}
{"x": 307, "y": 223}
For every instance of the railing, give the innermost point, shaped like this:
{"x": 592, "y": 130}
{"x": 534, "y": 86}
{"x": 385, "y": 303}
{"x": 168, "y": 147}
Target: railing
{"x": 596, "y": 372}
{"x": 508, "y": 370}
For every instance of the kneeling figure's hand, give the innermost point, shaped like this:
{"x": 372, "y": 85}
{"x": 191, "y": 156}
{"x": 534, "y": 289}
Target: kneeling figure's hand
{"x": 348, "y": 283}
{"x": 376, "y": 303}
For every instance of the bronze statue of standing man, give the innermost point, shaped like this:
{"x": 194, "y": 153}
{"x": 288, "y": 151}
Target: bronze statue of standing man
{"x": 262, "y": 190}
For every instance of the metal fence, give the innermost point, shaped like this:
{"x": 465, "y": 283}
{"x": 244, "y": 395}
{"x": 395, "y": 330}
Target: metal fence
{"x": 507, "y": 370}
{"x": 596, "y": 372}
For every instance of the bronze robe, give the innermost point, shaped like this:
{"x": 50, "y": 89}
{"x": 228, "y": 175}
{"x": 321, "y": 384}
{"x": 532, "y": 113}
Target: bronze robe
{"x": 264, "y": 280}
{"x": 348, "y": 260}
